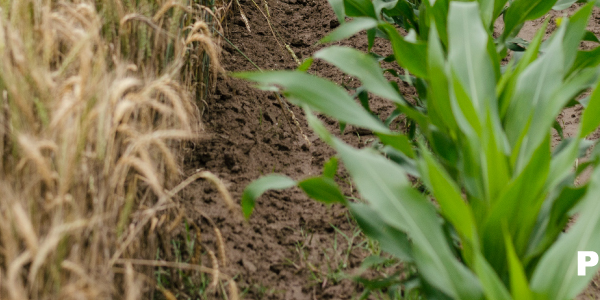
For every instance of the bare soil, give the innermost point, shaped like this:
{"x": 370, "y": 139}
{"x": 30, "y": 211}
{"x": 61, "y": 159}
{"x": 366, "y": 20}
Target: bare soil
{"x": 289, "y": 249}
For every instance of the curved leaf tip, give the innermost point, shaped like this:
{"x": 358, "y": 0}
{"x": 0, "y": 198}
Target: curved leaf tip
{"x": 258, "y": 187}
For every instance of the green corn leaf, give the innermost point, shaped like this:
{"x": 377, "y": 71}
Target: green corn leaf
{"x": 322, "y": 189}
{"x": 498, "y": 8}
{"x": 363, "y": 97}
{"x": 416, "y": 116}
{"x": 349, "y": 29}
{"x": 396, "y": 8}
{"x": 360, "y": 8}
{"x": 306, "y": 64}
{"x": 539, "y": 81}
{"x": 519, "y": 286}
{"x": 563, "y": 4}
{"x": 399, "y": 142}
{"x": 555, "y": 276}
{"x": 553, "y": 218}
{"x": 546, "y": 112}
{"x": 366, "y": 68}
{"x": 338, "y": 9}
{"x": 438, "y": 18}
{"x": 342, "y": 127}
{"x": 407, "y": 164}
{"x": 533, "y": 190}
{"x": 387, "y": 189}
{"x": 445, "y": 147}
{"x": 522, "y": 10}
{"x": 468, "y": 56}
{"x": 490, "y": 10}
{"x": 495, "y": 61}
{"x": 559, "y": 130}
{"x": 517, "y": 44}
{"x": 363, "y": 66}
{"x": 465, "y": 112}
{"x": 470, "y": 126}
{"x": 562, "y": 163}
{"x": 330, "y": 167}
{"x": 371, "y": 35}
{"x": 496, "y": 168}
{"x": 412, "y": 56}
{"x": 258, "y": 187}
{"x": 493, "y": 287}
{"x": 591, "y": 115}
{"x": 391, "y": 240}
{"x": 317, "y": 126}
{"x": 530, "y": 55}
{"x": 440, "y": 109}
{"x": 517, "y": 214}
{"x": 575, "y": 32}
{"x": 424, "y": 12}
{"x": 586, "y": 59}
{"x": 591, "y": 37}
{"x": 393, "y": 116}
{"x": 381, "y": 5}
{"x": 319, "y": 94}
{"x": 486, "y": 8}
{"x": 505, "y": 88}
{"x": 452, "y": 205}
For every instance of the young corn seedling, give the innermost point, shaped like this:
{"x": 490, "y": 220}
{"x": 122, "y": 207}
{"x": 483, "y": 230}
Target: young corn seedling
{"x": 497, "y": 195}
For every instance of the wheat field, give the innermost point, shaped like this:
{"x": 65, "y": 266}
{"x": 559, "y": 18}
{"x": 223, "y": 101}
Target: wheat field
{"x": 97, "y": 98}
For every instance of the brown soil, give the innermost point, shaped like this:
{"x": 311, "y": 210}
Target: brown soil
{"x": 289, "y": 248}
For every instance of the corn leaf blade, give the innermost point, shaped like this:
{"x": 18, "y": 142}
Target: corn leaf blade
{"x": 322, "y": 189}
{"x": 258, "y": 187}
{"x": 362, "y": 66}
{"x": 319, "y": 94}
{"x": 389, "y": 193}
{"x": 556, "y": 274}
{"x": 412, "y": 56}
{"x": 348, "y": 29}
{"x": 391, "y": 240}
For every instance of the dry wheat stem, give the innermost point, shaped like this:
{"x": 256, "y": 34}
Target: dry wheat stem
{"x": 94, "y": 107}
{"x": 167, "y": 264}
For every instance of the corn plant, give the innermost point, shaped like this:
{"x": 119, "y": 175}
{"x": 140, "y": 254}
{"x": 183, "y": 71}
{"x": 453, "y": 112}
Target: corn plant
{"x": 497, "y": 196}
{"x": 417, "y": 16}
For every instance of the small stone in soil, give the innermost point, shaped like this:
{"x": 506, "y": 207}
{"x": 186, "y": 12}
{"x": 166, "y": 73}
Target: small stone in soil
{"x": 249, "y": 266}
{"x": 229, "y": 160}
{"x": 276, "y": 268}
{"x": 334, "y": 23}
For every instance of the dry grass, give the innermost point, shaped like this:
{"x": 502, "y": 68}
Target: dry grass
{"x": 96, "y": 97}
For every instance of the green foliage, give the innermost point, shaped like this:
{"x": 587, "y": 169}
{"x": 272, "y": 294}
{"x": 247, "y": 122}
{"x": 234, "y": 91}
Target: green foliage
{"x": 481, "y": 147}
